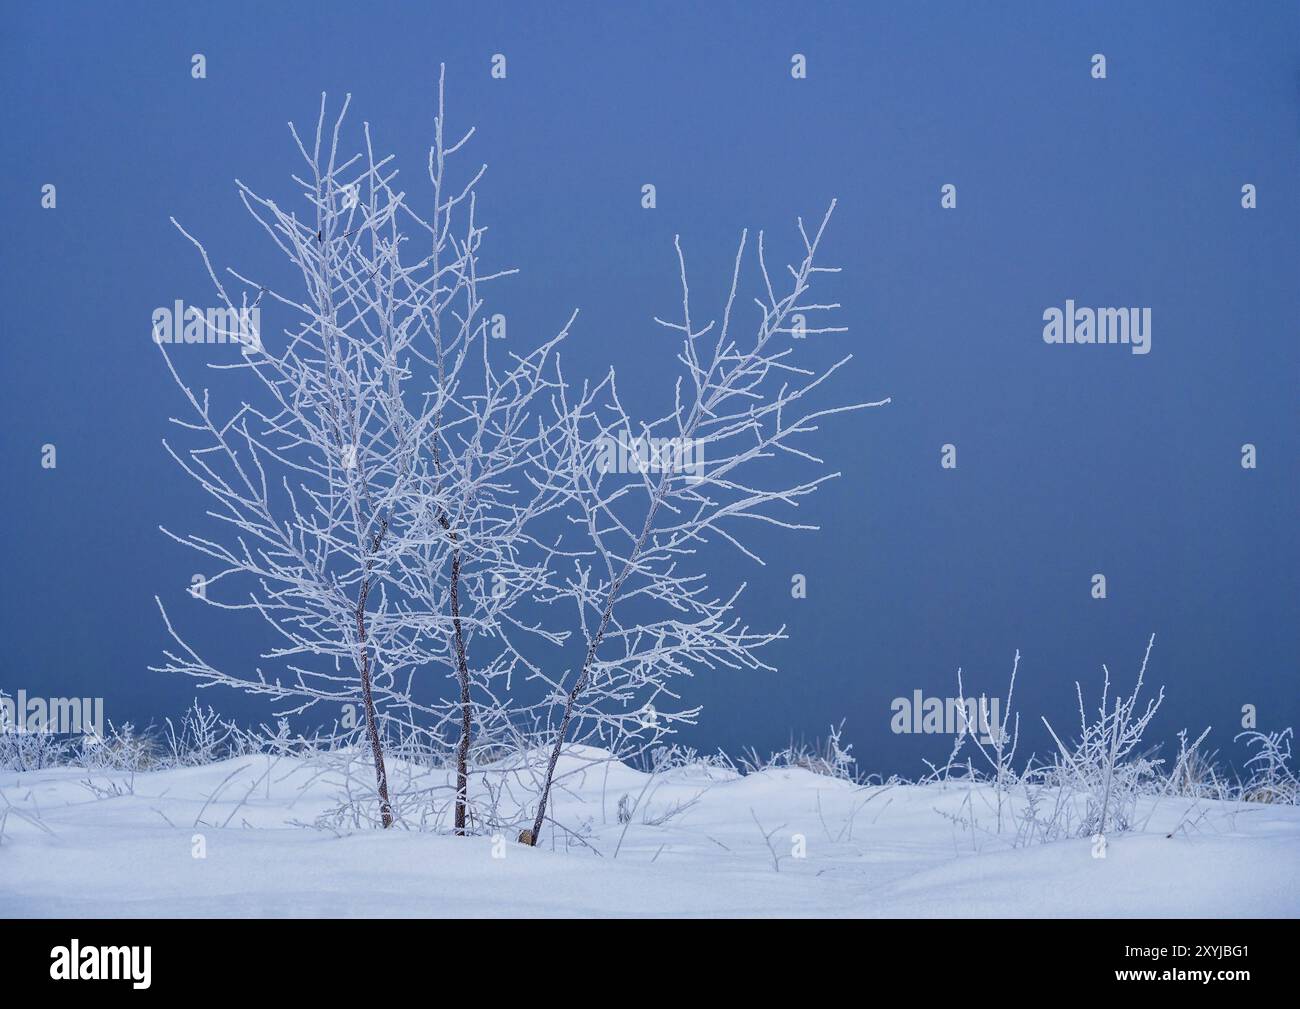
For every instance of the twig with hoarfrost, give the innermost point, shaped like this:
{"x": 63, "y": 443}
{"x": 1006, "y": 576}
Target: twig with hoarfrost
{"x": 1004, "y": 736}
{"x": 767, "y": 839}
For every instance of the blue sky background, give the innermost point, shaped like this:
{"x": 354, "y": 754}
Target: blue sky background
{"x": 1072, "y": 460}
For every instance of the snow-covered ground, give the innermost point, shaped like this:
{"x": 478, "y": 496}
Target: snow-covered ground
{"x": 67, "y": 849}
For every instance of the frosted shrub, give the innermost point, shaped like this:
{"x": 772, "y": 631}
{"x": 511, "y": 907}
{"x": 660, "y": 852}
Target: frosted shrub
{"x": 830, "y": 758}
{"x": 1103, "y": 765}
{"x": 202, "y": 737}
{"x": 1271, "y": 778}
{"x": 31, "y": 751}
{"x": 123, "y": 748}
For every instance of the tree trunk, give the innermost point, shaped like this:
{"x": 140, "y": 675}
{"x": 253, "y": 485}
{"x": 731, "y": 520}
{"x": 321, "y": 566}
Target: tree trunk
{"x": 466, "y": 709}
{"x": 578, "y": 685}
{"x": 462, "y": 676}
{"x": 372, "y": 723}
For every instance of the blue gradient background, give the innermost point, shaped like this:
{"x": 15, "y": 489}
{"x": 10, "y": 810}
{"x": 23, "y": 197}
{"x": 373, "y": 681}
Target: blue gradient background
{"x": 1072, "y": 460}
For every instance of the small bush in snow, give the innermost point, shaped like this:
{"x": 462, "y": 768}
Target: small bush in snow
{"x": 1103, "y": 764}
{"x": 1271, "y": 779}
{"x": 830, "y": 758}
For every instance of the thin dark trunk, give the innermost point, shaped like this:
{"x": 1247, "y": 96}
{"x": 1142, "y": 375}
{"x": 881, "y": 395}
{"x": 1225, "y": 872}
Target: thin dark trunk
{"x": 372, "y": 724}
{"x": 559, "y": 743}
{"x": 580, "y": 683}
{"x": 462, "y": 675}
{"x": 466, "y": 710}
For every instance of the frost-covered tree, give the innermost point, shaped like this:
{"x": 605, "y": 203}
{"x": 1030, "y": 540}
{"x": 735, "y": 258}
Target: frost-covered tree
{"x": 428, "y": 520}
{"x": 380, "y": 487}
{"x": 482, "y": 484}
{"x": 648, "y": 496}
{"x": 313, "y": 470}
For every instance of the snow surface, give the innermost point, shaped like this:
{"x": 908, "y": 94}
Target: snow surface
{"x": 67, "y": 850}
